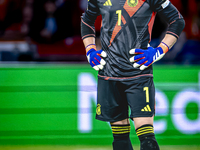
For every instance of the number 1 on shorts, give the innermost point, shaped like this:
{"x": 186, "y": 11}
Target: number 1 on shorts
{"x": 146, "y": 89}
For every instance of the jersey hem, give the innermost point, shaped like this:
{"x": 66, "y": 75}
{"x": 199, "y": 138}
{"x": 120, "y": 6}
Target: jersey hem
{"x": 124, "y": 78}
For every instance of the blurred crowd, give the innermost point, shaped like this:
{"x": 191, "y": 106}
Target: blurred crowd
{"x": 50, "y": 29}
{"x": 44, "y": 21}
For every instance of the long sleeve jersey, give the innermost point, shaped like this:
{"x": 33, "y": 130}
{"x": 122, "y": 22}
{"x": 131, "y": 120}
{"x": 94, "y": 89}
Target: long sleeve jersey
{"x": 127, "y": 24}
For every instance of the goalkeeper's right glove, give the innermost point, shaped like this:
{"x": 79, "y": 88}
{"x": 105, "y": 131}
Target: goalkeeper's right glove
{"x": 94, "y": 57}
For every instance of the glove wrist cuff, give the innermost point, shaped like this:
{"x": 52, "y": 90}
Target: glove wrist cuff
{"x": 89, "y": 47}
{"x": 164, "y": 47}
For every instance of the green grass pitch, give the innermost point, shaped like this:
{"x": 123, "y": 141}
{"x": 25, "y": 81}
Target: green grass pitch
{"x": 90, "y": 147}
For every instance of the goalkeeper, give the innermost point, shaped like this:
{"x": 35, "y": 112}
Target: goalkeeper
{"x": 125, "y": 76}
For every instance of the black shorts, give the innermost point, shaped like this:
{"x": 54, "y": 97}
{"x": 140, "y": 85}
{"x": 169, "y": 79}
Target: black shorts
{"x": 115, "y": 97}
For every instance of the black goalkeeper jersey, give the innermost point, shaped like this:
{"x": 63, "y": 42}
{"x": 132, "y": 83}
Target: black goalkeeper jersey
{"x": 127, "y": 24}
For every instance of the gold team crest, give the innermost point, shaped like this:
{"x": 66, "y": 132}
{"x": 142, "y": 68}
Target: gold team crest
{"x": 98, "y": 110}
{"x": 132, "y": 3}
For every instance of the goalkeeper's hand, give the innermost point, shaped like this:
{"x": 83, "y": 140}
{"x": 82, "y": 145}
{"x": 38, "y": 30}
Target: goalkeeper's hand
{"x": 95, "y": 57}
{"x": 144, "y": 58}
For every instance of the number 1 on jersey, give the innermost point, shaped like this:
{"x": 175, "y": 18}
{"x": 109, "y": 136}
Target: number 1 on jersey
{"x": 119, "y": 13}
{"x": 146, "y": 89}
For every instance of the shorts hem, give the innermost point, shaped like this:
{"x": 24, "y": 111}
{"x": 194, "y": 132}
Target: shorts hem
{"x": 110, "y": 120}
{"x": 136, "y": 116}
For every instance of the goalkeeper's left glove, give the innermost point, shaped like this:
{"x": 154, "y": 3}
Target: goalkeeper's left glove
{"x": 144, "y": 58}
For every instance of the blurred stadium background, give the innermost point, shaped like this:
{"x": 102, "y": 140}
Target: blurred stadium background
{"x": 48, "y": 90}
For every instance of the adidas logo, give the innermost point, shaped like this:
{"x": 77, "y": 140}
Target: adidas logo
{"x": 107, "y": 3}
{"x": 146, "y": 108}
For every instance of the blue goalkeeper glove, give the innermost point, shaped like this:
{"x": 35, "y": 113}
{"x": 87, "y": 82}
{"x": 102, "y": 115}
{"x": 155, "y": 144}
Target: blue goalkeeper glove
{"x": 144, "y": 58}
{"x": 95, "y": 57}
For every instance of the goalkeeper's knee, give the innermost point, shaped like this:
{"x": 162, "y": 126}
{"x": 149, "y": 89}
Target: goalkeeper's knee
{"x": 147, "y": 138}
